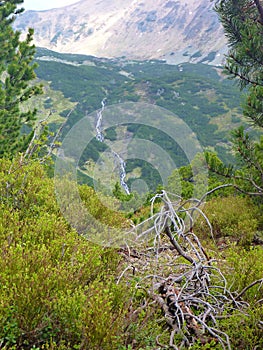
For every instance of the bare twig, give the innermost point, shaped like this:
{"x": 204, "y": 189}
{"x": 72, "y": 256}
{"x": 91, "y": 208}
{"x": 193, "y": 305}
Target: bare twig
{"x": 248, "y": 287}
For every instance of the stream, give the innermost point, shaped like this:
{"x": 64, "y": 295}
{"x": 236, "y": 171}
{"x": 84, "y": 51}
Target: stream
{"x": 100, "y": 138}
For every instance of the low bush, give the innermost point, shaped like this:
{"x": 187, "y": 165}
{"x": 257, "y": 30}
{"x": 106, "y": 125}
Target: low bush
{"x": 234, "y": 217}
{"x": 58, "y": 290}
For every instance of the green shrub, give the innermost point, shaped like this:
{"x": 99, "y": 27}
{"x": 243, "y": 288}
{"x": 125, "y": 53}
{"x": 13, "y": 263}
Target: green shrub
{"x": 57, "y": 289}
{"x": 244, "y": 330}
{"x": 233, "y": 217}
{"x": 241, "y": 268}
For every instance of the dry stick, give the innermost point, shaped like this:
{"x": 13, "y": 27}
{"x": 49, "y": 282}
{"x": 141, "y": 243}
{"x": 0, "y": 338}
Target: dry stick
{"x": 23, "y": 156}
{"x": 30, "y": 147}
{"x": 248, "y": 287}
{"x": 158, "y": 342}
{"x": 171, "y": 342}
{"x": 213, "y": 190}
{"x": 248, "y": 180}
{"x": 177, "y": 246}
{"x": 52, "y": 145}
{"x": 123, "y": 272}
{"x": 213, "y": 332}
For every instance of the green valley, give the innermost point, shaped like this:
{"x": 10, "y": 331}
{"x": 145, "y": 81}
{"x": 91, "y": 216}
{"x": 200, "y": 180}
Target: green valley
{"x": 197, "y": 93}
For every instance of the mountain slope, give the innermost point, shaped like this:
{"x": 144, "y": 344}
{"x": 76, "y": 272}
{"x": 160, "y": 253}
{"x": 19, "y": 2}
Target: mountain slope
{"x": 137, "y": 29}
{"x": 196, "y": 93}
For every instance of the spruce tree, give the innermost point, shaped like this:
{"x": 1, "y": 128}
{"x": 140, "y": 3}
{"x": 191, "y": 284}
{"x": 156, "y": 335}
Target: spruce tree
{"x": 16, "y": 82}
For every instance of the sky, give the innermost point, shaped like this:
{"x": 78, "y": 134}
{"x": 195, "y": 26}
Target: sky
{"x": 46, "y": 4}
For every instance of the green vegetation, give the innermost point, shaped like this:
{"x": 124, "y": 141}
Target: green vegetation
{"x": 183, "y": 287}
{"x": 57, "y": 289}
{"x": 16, "y": 75}
{"x": 198, "y": 94}
{"x": 243, "y": 24}
{"x": 239, "y": 225}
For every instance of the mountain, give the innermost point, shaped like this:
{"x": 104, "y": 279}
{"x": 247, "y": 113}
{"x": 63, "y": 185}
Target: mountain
{"x": 176, "y": 31}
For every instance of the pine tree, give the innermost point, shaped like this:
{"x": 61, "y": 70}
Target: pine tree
{"x": 243, "y": 24}
{"x": 16, "y": 82}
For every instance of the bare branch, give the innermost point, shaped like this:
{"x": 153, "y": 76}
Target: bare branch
{"x": 192, "y": 295}
{"x": 248, "y": 287}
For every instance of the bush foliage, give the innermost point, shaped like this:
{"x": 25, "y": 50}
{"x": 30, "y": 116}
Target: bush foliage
{"x": 56, "y": 287}
{"x": 234, "y": 218}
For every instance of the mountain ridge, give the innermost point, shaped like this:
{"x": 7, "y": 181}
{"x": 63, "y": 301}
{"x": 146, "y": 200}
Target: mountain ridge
{"x": 175, "y": 31}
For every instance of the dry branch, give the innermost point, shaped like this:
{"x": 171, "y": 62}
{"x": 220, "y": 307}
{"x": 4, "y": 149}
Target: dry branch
{"x": 194, "y": 294}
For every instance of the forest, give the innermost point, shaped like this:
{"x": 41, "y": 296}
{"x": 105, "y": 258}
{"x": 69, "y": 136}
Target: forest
{"x": 177, "y": 268}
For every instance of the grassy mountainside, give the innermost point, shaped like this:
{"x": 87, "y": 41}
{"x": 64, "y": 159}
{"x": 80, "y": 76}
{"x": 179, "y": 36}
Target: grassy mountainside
{"x": 197, "y": 93}
{"x": 59, "y": 289}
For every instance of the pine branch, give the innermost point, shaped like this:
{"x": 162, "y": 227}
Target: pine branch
{"x": 260, "y": 10}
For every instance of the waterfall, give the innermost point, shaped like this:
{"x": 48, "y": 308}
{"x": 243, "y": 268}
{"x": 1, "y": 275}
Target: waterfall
{"x": 99, "y": 133}
{"x": 122, "y": 172}
{"x": 100, "y": 138}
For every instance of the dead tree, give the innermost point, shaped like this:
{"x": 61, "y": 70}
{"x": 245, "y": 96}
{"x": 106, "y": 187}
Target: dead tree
{"x": 192, "y": 292}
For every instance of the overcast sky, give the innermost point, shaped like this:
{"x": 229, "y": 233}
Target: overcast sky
{"x": 46, "y": 4}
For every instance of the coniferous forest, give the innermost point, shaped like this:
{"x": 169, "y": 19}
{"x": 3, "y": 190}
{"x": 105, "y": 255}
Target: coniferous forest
{"x": 184, "y": 267}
